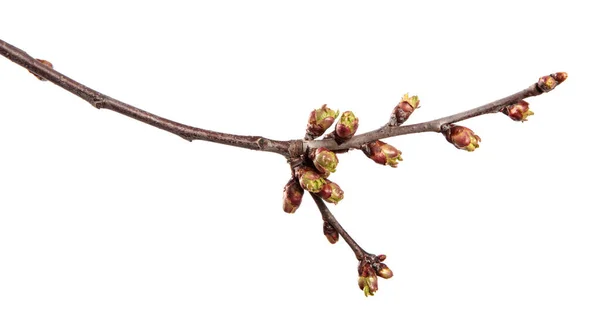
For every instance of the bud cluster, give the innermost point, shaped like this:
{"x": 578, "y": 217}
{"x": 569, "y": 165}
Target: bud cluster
{"x": 549, "y": 82}
{"x": 368, "y": 271}
{"x": 312, "y": 176}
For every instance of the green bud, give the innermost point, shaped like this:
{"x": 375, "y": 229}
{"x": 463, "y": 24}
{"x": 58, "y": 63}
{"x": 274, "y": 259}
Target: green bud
{"x": 310, "y": 180}
{"x": 325, "y": 161}
{"x": 346, "y": 127}
{"x": 331, "y": 192}
{"x": 319, "y": 121}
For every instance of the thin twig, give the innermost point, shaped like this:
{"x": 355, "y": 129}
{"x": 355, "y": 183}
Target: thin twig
{"x": 328, "y": 217}
{"x": 100, "y": 100}
{"x": 430, "y": 126}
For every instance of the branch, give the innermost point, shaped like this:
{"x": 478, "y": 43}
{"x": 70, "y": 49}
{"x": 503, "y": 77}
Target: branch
{"x": 44, "y": 71}
{"x": 369, "y": 266}
{"x": 437, "y": 125}
{"x": 309, "y": 164}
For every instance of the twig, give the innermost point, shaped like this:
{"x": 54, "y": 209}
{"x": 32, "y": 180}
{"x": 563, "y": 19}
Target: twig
{"x": 359, "y": 252}
{"x": 100, "y": 100}
{"x": 436, "y": 125}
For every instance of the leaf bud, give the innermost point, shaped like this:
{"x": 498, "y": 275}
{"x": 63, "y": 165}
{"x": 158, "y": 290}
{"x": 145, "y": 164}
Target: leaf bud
{"x": 382, "y": 153}
{"x": 319, "y": 121}
{"x": 346, "y": 127}
{"x": 325, "y": 161}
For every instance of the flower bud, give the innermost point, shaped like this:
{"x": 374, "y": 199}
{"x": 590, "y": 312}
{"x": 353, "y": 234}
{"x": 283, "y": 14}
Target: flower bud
{"x": 346, "y": 127}
{"x": 519, "y": 111}
{"x": 330, "y": 233}
{"x": 384, "y": 271}
{"x": 310, "y": 180}
{"x": 45, "y": 63}
{"x": 325, "y": 161}
{"x": 331, "y": 192}
{"x": 292, "y": 196}
{"x": 462, "y": 137}
{"x": 382, "y": 153}
{"x": 405, "y": 108}
{"x": 319, "y": 121}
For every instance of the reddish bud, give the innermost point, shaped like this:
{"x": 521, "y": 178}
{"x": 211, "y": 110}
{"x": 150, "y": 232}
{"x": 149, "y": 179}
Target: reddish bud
{"x": 310, "y": 180}
{"x": 292, "y": 196}
{"x": 325, "y": 161}
{"x": 319, "y": 121}
{"x": 518, "y": 112}
{"x": 462, "y": 137}
{"x": 382, "y": 153}
{"x": 560, "y": 77}
{"x": 346, "y": 127}
{"x": 405, "y": 108}
{"x": 547, "y": 83}
{"x": 381, "y": 257}
{"x": 330, "y": 233}
{"x": 384, "y": 271}
{"x": 45, "y": 63}
{"x": 331, "y": 192}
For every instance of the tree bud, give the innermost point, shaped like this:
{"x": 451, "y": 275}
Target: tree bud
{"x": 405, "y": 108}
{"x": 519, "y": 111}
{"x": 292, "y": 196}
{"x": 382, "y": 153}
{"x": 319, "y": 121}
{"x": 310, "y": 179}
{"x": 346, "y": 127}
{"x": 330, "y": 233}
{"x": 331, "y": 192}
{"x": 384, "y": 271}
{"x": 325, "y": 161}
{"x": 462, "y": 137}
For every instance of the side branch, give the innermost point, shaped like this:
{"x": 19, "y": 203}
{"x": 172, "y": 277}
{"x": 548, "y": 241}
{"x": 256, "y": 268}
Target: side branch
{"x": 436, "y": 125}
{"x": 100, "y": 100}
{"x": 329, "y": 218}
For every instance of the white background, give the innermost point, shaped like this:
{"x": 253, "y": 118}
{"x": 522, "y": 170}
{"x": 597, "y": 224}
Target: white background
{"x": 107, "y": 224}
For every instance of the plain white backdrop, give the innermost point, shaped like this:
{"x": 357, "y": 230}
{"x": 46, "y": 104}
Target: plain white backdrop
{"x": 107, "y": 224}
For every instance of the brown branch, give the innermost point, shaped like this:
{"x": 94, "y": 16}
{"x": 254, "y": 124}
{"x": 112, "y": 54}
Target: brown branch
{"x": 328, "y": 217}
{"x": 436, "y": 125}
{"x": 100, "y": 100}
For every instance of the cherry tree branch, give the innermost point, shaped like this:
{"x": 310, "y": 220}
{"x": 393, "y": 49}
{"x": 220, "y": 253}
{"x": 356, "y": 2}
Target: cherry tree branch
{"x": 310, "y": 166}
{"x": 99, "y": 100}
